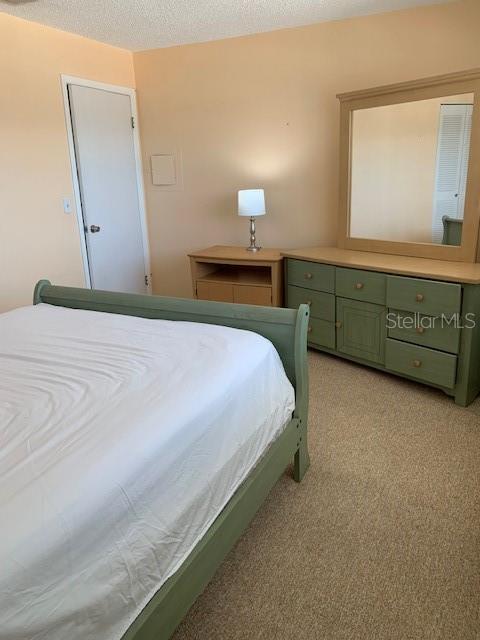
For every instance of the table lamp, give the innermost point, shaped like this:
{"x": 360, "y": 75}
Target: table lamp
{"x": 251, "y": 203}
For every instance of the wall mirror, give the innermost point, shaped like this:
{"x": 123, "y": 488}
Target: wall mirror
{"x": 410, "y": 168}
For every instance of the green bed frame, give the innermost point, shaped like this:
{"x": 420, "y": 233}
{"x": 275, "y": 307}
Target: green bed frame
{"x": 287, "y": 330}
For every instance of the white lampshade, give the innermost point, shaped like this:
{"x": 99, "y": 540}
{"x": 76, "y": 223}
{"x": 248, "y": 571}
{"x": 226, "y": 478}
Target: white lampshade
{"x": 251, "y": 202}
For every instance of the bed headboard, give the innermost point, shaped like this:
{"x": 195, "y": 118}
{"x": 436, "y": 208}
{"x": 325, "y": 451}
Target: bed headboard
{"x": 285, "y": 328}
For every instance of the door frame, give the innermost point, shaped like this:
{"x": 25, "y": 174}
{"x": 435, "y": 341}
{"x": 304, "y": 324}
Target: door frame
{"x": 131, "y": 93}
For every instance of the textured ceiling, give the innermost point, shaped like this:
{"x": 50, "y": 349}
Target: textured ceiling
{"x": 148, "y": 24}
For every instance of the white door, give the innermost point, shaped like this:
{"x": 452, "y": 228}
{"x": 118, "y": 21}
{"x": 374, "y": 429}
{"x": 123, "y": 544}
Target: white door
{"x": 106, "y": 166}
{"x": 453, "y": 150}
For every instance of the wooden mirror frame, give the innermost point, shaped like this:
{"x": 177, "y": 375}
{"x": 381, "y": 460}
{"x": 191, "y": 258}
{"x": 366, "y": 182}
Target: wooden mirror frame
{"x": 424, "y": 89}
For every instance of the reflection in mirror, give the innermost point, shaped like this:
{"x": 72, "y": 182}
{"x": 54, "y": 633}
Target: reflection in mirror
{"x": 409, "y": 166}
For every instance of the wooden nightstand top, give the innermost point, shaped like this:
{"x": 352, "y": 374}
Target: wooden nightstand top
{"x": 238, "y": 254}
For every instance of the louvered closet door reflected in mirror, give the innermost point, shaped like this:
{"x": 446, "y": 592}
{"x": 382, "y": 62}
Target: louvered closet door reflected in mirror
{"x": 453, "y": 148}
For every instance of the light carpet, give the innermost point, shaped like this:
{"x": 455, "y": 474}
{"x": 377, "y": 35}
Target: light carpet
{"x": 382, "y": 538}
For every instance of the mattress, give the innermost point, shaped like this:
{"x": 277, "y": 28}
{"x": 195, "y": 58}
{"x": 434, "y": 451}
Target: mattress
{"x": 122, "y": 439}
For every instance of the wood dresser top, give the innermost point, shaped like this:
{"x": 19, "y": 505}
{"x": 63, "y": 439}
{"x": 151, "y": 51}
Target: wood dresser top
{"x": 220, "y": 252}
{"x": 466, "y": 272}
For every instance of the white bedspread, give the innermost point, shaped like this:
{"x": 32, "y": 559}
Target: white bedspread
{"x": 121, "y": 441}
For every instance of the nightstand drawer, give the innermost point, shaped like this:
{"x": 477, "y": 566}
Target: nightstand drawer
{"x": 245, "y": 294}
{"x": 358, "y": 284}
{"x": 321, "y": 333}
{"x": 311, "y": 275}
{"x": 421, "y": 363}
{"x": 423, "y": 296}
{"x": 427, "y": 331}
{"x": 216, "y": 291}
{"x": 322, "y": 305}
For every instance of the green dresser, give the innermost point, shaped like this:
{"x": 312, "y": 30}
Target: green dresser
{"x": 418, "y": 328}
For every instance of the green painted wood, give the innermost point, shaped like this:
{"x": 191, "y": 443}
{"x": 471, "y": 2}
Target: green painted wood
{"x": 40, "y": 287}
{"x": 301, "y": 460}
{"x": 170, "y": 604}
{"x": 428, "y": 297}
{"x": 311, "y": 275}
{"x": 468, "y": 370}
{"x": 361, "y": 329}
{"x": 452, "y": 231}
{"x": 358, "y": 284}
{"x": 427, "y": 331}
{"x": 381, "y": 367}
{"x": 322, "y": 305}
{"x": 421, "y": 363}
{"x": 437, "y": 299}
{"x": 287, "y": 329}
{"x": 321, "y": 333}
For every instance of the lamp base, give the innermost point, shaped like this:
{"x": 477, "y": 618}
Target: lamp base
{"x": 253, "y": 245}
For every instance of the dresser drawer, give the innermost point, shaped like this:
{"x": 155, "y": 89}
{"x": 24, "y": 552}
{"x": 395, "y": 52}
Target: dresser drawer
{"x": 360, "y": 285}
{"x": 423, "y": 296}
{"x": 322, "y": 305}
{"x": 427, "y": 331}
{"x": 419, "y": 362}
{"x": 321, "y": 333}
{"x": 311, "y": 275}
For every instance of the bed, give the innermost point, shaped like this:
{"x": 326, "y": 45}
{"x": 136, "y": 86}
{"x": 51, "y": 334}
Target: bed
{"x": 140, "y": 435}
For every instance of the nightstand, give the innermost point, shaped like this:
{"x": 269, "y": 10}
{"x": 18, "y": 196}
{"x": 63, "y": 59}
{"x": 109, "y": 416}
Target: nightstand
{"x": 233, "y": 274}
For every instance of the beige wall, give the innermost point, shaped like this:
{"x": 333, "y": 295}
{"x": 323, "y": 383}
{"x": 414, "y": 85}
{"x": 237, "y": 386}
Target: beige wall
{"x": 261, "y": 111}
{"x": 394, "y": 155}
{"x": 36, "y": 238}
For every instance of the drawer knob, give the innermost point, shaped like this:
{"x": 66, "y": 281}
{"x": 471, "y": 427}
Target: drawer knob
{"x": 417, "y": 363}
{"x": 338, "y": 324}
{"x": 419, "y": 297}
{"x": 359, "y": 285}
{"x": 308, "y": 276}
{"x": 309, "y": 330}
{"x": 420, "y": 330}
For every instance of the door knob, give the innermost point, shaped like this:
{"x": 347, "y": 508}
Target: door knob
{"x": 94, "y": 228}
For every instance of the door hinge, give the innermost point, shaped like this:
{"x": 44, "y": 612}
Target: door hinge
{"x": 132, "y": 120}
{"x": 147, "y": 280}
